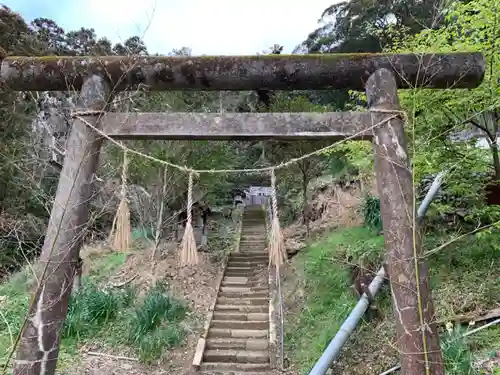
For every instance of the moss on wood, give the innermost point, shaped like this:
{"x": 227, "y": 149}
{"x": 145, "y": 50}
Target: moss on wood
{"x": 279, "y": 72}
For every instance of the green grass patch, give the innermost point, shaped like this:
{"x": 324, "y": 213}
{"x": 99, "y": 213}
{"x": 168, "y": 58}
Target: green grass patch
{"x": 92, "y": 308}
{"x": 155, "y": 324}
{"x": 457, "y": 353}
{"x": 328, "y": 298}
{"x": 107, "y": 264}
{"x": 111, "y": 316}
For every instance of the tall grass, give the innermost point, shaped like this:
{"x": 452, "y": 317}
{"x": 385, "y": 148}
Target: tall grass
{"x": 92, "y": 308}
{"x": 371, "y": 212}
{"x": 155, "y": 324}
{"x": 457, "y": 355}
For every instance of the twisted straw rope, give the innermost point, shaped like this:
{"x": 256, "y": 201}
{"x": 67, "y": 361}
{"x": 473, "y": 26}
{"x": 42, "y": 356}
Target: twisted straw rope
{"x": 395, "y": 114}
{"x": 190, "y": 199}
{"x": 274, "y": 199}
{"x": 124, "y": 175}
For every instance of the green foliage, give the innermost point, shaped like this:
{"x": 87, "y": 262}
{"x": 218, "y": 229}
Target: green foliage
{"x": 92, "y": 308}
{"x": 457, "y": 354}
{"x": 462, "y": 280}
{"x": 153, "y": 345}
{"x": 14, "y": 302}
{"x": 351, "y": 158}
{"x": 154, "y": 325}
{"x": 156, "y": 307}
{"x": 111, "y": 316}
{"x": 287, "y": 102}
{"x": 328, "y": 299}
{"x": 371, "y": 212}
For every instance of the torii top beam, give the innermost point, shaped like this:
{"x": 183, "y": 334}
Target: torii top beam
{"x": 275, "y": 72}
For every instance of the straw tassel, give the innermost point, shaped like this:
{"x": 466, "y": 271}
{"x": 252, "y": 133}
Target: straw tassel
{"x": 121, "y": 224}
{"x": 277, "y": 251}
{"x": 189, "y": 254}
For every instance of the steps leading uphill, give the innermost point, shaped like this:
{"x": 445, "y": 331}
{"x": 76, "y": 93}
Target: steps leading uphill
{"x": 238, "y": 335}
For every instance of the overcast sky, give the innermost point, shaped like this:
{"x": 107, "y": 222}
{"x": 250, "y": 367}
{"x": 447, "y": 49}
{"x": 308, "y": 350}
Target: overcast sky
{"x": 214, "y": 27}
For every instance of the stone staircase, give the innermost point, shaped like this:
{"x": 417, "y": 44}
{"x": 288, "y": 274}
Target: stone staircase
{"x": 238, "y": 336}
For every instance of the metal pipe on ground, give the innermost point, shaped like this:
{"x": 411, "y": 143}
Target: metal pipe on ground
{"x": 347, "y": 328}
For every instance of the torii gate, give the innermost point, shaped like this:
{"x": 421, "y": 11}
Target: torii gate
{"x": 97, "y": 77}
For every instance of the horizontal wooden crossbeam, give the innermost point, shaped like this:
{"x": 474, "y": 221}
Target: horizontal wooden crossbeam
{"x": 237, "y": 126}
{"x": 278, "y": 72}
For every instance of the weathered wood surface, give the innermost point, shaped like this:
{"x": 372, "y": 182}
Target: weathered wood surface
{"x": 275, "y": 72}
{"x": 213, "y": 126}
{"x": 39, "y": 345}
{"x": 408, "y": 283}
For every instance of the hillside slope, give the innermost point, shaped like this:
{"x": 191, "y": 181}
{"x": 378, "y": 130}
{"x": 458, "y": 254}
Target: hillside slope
{"x": 318, "y": 297}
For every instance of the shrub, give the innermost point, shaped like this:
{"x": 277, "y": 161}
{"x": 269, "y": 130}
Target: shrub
{"x": 156, "y": 308}
{"x": 371, "y": 212}
{"x": 91, "y": 308}
{"x": 457, "y": 355}
{"x": 153, "y": 345}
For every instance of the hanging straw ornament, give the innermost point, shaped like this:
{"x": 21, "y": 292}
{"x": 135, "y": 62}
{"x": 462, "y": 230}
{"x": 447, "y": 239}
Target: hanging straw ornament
{"x": 189, "y": 253}
{"x": 121, "y": 238}
{"x": 277, "y": 251}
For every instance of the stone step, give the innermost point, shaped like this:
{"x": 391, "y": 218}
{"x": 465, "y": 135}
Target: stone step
{"x": 217, "y": 315}
{"x": 255, "y": 263}
{"x": 244, "y": 272}
{"x": 242, "y": 301}
{"x": 220, "y": 368}
{"x": 244, "y": 268}
{"x": 263, "y": 283}
{"x": 237, "y": 343}
{"x": 242, "y": 308}
{"x": 240, "y": 273}
{"x": 240, "y": 294}
{"x": 243, "y": 257}
{"x": 236, "y": 356}
{"x": 237, "y": 324}
{"x": 250, "y": 254}
{"x": 241, "y": 333}
{"x": 245, "y": 281}
{"x": 243, "y": 289}
{"x": 248, "y": 270}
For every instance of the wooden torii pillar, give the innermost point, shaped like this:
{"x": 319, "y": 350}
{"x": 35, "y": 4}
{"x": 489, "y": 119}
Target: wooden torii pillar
{"x": 380, "y": 74}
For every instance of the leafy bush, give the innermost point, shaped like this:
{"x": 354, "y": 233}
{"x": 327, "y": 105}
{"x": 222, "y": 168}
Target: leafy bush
{"x": 153, "y": 345}
{"x": 457, "y": 355}
{"x": 91, "y": 308}
{"x": 371, "y": 212}
{"x": 154, "y": 325}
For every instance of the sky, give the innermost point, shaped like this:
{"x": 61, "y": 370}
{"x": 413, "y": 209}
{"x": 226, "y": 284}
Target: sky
{"x": 214, "y": 27}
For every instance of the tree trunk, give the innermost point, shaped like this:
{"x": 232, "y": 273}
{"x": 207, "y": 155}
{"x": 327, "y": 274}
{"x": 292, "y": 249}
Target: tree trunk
{"x": 496, "y": 158}
{"x": 39, "y": 344}
{"x": 417, "y": 335}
